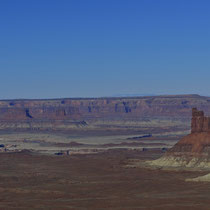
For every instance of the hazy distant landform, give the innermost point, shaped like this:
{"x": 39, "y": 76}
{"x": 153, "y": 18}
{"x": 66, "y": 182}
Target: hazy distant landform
{"x": 131, "y": 114}
{"x": 96, "y": 124}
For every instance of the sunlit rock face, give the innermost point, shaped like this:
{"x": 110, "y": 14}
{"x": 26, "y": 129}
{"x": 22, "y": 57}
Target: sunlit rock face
{"x": 193, "y": 150}
{"x": 199, "y": 122}
{"x": 159, "y": 112}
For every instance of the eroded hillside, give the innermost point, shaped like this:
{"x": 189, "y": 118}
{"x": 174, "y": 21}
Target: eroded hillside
{"x": 166, "y": 112}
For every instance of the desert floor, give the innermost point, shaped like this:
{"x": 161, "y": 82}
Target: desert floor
{"x": 96, "y": 181}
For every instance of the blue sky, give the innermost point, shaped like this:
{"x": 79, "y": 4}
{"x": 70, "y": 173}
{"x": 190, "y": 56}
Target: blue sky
{"x": 91, "y": 48}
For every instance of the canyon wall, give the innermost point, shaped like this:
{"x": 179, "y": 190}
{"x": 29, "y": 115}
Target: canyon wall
{"x": 64, "y": 113}
{"x": 79, "y": 109}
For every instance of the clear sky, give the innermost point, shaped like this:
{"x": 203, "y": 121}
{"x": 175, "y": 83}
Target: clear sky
{"x": 90, "y": 48}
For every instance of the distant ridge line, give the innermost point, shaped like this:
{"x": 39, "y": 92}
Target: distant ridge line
{"x": 107, "y": 97}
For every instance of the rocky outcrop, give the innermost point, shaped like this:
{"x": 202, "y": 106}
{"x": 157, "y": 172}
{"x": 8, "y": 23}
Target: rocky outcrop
{"x": 193, "y": 150}
{"x": 199, "y": 122}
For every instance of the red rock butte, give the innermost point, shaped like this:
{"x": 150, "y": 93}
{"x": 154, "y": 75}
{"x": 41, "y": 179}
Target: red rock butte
{"x": 193, "y": 150}
{"x": 199, "y": 122}
{"x": 198, "y": 141}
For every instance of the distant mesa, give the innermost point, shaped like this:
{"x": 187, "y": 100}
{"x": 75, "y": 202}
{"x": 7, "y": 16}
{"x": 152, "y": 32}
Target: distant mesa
{"x": 166, "y": 113}
{"x": 193, "y": 150}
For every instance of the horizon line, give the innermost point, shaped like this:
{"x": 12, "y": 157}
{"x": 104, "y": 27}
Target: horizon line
{"x": 104, "y": 97}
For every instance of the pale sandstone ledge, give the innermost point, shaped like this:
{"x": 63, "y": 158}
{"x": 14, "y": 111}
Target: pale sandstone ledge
{"x": 205, "y": 178}
{"x": 180, "y": 162}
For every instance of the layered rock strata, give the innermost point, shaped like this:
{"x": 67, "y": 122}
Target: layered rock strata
{"x": 155, "y": 111}
{"x": 193, "y": 150}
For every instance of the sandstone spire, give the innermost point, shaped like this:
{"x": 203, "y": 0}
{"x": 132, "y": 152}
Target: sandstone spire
{"x": 199, "y": 122}
{"x": 192, "y": 150}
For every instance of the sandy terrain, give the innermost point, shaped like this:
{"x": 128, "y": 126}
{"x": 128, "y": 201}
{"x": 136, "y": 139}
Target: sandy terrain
{"x": 96, "y": 181}
{"x": 46, "y": 142}
{"x": 99, "y": 173}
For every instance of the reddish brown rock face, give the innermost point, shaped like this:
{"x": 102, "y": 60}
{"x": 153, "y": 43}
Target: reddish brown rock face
{"x": 60, "y": 113}
{"x": 198, "y": 142}
{"x": 193, "y": 150}
{"x": 110, "y": 108}
{"x": 199, "y": 122}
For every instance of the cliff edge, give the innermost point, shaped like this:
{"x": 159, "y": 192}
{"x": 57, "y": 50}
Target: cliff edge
{"x": 166, "y": 113}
